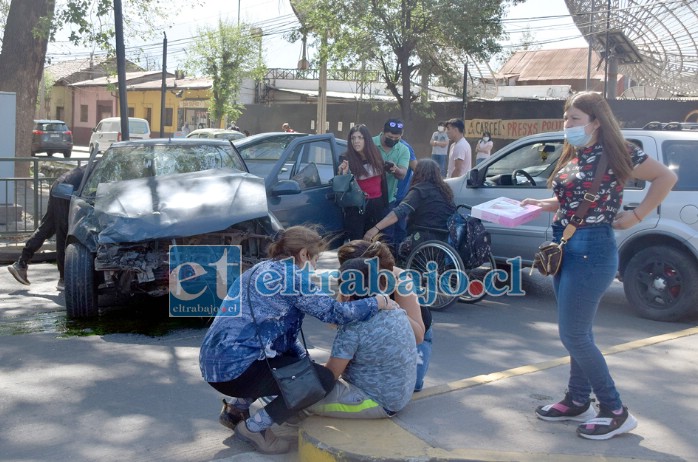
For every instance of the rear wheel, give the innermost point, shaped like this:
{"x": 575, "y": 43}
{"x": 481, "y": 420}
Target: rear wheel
{"x": 49, "y": 153}
{"x": 660, "y": 282}
{"x": 66, "y": 154}
{"x": 80, "y": 282}
{"x": 440, "y": 273}
{"x": 476, "y": 277}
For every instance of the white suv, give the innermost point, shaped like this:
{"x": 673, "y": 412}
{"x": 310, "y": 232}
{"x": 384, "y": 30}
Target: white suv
{"x": 658, "y": 257}
{"x": 108, "y": 131}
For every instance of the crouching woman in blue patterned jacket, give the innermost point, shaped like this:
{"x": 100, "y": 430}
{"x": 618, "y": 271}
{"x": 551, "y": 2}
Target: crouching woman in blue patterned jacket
{"x": 232, "y": 359}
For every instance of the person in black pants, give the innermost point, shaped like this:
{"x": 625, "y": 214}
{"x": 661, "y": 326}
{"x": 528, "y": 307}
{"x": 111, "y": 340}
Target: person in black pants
{"x": 363, "y": 159}
{"x": 54, "y": 222}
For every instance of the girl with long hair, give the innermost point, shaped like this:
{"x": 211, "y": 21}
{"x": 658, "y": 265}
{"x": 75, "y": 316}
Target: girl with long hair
{"x": 429, "y": 202}
{"x": 590, "y": 261}
{"x": 364, "y": 161}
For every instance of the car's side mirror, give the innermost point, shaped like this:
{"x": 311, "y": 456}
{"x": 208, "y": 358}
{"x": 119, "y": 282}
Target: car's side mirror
{"x": 286, "y": 188}
{"x": 62, "y": 191}
{"x": 94, "y": 129}
{"x": 474, "y": 177}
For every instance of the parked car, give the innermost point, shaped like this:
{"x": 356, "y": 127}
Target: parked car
{"x": 108, "y": 131}
{"x": 297, "y": 169}
{"x": 143, "y": 196}
{"x": 212, "y": 133}
{"x": 51, "y": 136}
{"x": 658, "y": 257}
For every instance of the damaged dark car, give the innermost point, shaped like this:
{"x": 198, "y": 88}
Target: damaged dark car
{"x": 142, "y": 197}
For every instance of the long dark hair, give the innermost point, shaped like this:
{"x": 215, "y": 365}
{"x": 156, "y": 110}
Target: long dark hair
{"x": 371, "y": 153}
{"x": 608, "y": 135}
{"x": 428, "y": 171}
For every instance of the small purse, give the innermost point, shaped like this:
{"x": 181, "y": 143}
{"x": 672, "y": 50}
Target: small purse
{"x": 348, "y": 193}
{"x": 548, "y": 258}
{"x": 298, "y": 382}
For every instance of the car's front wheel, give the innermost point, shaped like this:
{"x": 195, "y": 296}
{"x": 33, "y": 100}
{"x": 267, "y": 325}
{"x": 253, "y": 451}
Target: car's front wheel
{"x": 660, "y": 282}
{"x": 80, "y": 282}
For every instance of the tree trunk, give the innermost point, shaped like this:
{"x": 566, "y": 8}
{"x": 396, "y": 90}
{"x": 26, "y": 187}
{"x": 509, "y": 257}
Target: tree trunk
{"x": 406, "y": 108}
{"x": 22, "y": 65}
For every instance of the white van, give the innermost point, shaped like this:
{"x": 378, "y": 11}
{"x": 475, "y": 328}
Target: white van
{"x": 108, "y": 131}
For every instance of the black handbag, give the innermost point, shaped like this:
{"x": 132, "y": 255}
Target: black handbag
{"x": 548, "y": 258}
{"x": 298, "y": 382}
{"x": 348, "y": 193}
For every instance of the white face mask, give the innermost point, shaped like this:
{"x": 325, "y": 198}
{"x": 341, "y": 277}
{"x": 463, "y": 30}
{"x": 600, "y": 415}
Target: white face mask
{"x": 442, "y": 128}
{"x": 577, "y": 136}
{"x": 485, "y": 139}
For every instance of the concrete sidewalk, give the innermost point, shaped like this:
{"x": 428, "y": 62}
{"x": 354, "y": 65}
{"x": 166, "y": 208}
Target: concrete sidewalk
{"x": 490, "y": 418}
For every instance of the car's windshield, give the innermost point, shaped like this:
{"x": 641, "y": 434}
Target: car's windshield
{"x": 139, "y": 161}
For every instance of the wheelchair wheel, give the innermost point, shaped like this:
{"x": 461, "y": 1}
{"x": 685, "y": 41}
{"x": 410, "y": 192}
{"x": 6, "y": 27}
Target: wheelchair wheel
{"x": 476, "y": 276}
{"x": 441, "y": 273}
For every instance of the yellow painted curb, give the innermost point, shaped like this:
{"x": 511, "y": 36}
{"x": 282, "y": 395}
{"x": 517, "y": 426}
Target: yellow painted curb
{"x": 323, "y": 439}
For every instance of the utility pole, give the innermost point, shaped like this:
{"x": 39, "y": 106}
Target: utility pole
{"x": 163, "y": 91}
{"x": 322, "y": 88}
{"x": 121, "y": 68}
{"x": 465, "y": 87}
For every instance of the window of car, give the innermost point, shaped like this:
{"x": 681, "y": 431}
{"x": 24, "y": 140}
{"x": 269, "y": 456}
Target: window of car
{"x": 140, "y": 161}
{"x": 311, "y": 164}
{"x": 681, "y": 156}
{"x": 537, "y": 159}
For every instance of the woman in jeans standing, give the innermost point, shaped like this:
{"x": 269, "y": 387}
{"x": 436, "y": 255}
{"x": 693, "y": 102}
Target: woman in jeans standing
{"x": 366, "y": 163}
{"x": 590, "y": 260}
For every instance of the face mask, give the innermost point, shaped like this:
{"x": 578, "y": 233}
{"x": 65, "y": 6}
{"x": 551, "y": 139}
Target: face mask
{"x": 577, "y": 137}
{"x": 442, "y": 129}
{"x": 390, "y": 142}
{"x": 485, "y": 139}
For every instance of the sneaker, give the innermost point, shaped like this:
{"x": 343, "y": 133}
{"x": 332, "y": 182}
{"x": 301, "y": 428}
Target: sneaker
{"x": 60, "y": 285}
{"x": 265, "y": 441}
{"x": 230, "y": 416}
{"x": 606, "y": 425}
{"x": 565, "y": 410}
{"x": 19, "y": 271}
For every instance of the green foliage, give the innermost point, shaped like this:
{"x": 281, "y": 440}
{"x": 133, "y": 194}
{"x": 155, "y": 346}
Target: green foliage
{"x": 226, "y": 54}
{"x": 401, "y": 37}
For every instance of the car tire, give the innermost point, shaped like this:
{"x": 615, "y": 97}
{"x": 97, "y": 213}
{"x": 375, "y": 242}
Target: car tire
{"x": 660, "y": 282}
{"x": 80, "y": 282}
{"x": 67, "y": 154}
{"x": 49, "y": 153}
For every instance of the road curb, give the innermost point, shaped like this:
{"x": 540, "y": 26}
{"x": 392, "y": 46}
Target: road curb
{"x": 323, "y": 439}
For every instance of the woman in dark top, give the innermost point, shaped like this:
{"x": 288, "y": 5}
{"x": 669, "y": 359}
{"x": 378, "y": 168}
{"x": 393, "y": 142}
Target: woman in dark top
{"x": 429, "y": 202}
{"x": 366, "y": 163}
{"x": 590, "y": 259}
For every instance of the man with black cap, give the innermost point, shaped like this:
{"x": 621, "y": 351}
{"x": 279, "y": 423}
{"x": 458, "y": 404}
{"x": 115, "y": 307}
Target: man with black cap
{"x": 395, "y": 154}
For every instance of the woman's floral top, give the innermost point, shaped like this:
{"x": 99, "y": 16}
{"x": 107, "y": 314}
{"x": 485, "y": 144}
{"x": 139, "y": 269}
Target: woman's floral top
{"x": 575, "y": 178}
{"x": 231, "y": 344}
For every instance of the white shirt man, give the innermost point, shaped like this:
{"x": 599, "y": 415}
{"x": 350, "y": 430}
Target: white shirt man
{"x": 460, "y": 155}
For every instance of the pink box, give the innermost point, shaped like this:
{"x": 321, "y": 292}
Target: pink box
{"x": 505, "y": 211}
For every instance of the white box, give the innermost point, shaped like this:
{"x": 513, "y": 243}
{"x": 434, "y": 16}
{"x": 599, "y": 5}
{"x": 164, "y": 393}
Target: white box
{"x": 505, "y": 211}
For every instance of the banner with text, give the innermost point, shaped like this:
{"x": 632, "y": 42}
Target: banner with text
{"x": 511, "y": 129}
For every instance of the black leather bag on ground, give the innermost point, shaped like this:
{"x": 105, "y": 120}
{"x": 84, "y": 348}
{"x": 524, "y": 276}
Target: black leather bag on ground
{"x": 299, "y": 384}
{"x": 548, "y": 258}
{"x": 347, "y": 192}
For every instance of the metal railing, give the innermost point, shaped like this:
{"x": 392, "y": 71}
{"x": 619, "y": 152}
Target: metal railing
{"x": 23, "y": 199}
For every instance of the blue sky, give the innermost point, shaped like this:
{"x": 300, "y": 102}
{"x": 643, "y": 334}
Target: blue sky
{"x": 547, "y": 20}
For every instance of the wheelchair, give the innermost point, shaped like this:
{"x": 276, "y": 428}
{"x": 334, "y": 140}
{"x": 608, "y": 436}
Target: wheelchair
{"x": 442, "y": 274}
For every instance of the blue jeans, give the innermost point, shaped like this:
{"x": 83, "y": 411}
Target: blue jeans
{"x": 423, "y": 358}
{"x": 441, "y": 159}
{"x": 589, "y": 265}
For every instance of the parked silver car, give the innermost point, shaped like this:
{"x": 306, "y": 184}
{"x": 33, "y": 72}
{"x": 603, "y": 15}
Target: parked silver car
{"x": 658, "y": 257}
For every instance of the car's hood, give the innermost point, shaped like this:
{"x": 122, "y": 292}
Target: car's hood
{"x": 177, "y": 205}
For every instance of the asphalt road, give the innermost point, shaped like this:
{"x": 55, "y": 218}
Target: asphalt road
{"x": 127, "y": 386}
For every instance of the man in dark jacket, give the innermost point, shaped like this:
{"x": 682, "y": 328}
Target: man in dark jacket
{"x": 54, "y": 222}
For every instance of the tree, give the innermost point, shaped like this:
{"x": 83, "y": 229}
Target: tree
{"x": 399, "y": 37}
{"x": 32, "y": 23}
{"x": 226, "y": 54}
